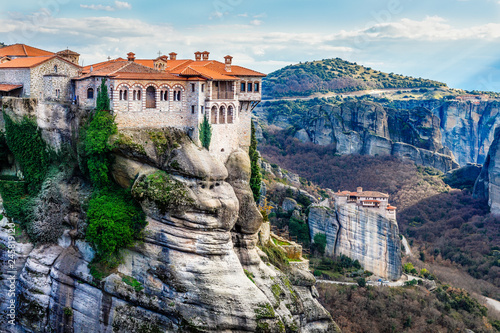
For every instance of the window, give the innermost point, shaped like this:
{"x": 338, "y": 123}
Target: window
{"x": 193, "y": 109}
{"x": 192, "y": 87}
{"x": 55, "y": 69}
{"x": 256, "y": 87}
{"x": 58, "y": 93}
{"x": 111, "y": 93}
{"x": 164, "y": 95}
{"x": 249, "y": 89}
{"x": 139, "y": 95}
{"x": 123, "y": 95}
{"x": 243, "y": 86}
{"x": 134, "y": 95}
{"x": 203, "y": 87}
{"x": 202, "y": 109}
{"x": 90, "y": 93}
{"x": 177, "y": 96}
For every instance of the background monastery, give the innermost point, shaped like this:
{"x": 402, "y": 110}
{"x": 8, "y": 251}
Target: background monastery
{"x": 144, "y": 93}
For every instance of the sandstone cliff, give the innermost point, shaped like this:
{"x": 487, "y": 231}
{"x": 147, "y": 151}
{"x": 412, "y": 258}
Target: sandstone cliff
{"x": 435, "y": 133}
{"x": 198, "y": 269}
{"x": 362, "y": 234}
{"x": 488, "y": 183}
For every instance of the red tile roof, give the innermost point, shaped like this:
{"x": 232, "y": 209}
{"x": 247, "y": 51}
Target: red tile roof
{"x": 26, "y": 62}
{"x": 68, "y": 52}
{"x": 22, "y": 50}
{"x": 9, "y": 87}
{"x": 391, "y": 208}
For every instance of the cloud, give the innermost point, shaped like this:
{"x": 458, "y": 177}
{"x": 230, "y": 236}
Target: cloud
{"x": 256, "y": 22}
{"x": 118, "y": 5}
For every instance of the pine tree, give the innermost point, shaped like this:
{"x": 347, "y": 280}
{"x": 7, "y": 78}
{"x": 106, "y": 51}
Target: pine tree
{"x": 103, "y": 98}
{"x": 205, "y": 133}
{"x": 255, "y": 177}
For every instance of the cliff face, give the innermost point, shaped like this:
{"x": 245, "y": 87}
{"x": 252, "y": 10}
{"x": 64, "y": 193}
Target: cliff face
{"x": 488, "y": 183}
{"x": 199, "y": 268}
{"x": 467, "y": 129}
{"x": 435, "y": 133}
{"x": 362, "y": 234}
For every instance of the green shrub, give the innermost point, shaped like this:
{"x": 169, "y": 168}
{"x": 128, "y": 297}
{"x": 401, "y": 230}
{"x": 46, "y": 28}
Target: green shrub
{"x": 276, "y": 256}
{"x": 255, "y": 177}
{"x": 133, "y": 283}
{"x": 115, "y": 221}
{"x": 24, "y": 140}
{"x": 205, "y": 133}
{"x": 319, "y": 244}
{"x": 16, "y": 201}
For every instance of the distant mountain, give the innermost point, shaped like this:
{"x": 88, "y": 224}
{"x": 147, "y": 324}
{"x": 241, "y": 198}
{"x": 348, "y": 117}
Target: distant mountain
{"x": 335, "y": 75}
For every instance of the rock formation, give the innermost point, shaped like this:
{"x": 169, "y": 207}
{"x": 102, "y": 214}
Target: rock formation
{"x": 362, "y": 234}
{"x": 488, "y": 183}
{"x": 199, "y": 268}
{"x": 437, "y": 133}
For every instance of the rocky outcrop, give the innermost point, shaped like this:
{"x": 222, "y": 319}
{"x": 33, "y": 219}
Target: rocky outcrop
{"x": 371, "y": 129}
{"x": 199, "y": 268}
{"x": 467, "y": 129}
{"x": 362, "y": 234}
{"x": 488, "y": 183}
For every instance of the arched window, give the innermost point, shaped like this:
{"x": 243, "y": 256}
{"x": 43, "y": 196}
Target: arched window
{"x": 213, "y": 118}
{"x": 90, "y": 93}
{"x": 164, "y": 95}
{"x": 55, "y": 69}
{"x": 222, "y": 115}
{"x": 123, "y": 95}
{"x": 111, "y": 93}
{"x": 134, "y": 95}
{"x": 230, "y": 114}
{"x": 177, "y": 95}
{"x": 151, "y": 97}
{"x": 139, "y": 95}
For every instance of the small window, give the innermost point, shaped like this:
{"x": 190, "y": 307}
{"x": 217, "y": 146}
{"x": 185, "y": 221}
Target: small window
{"x": 249, "y": 89}
{"x": 177, "y": 96}
{"x": 202, "y": 109}
{"x": 243, "y": 86}
{"x": 193, "y": 108}
{"x": 58, "y": 93}
{"x": 139, "y": 95}
{"x": 134, "y": 94}
{"x": 90, "y": 93}
{"x": 111, "y": 93}
{"x": 203, "y": 87}
{"x": 55, "y": 69}
{"x": 192, "y": 87}
{"x": 256, "y": 87}
{"x": 165, "y": 95}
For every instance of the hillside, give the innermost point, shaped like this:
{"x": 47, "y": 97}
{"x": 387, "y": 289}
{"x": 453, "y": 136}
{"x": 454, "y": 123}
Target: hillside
{"x": 334, "y": 75}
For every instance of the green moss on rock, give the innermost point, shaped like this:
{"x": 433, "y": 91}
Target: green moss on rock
{"x": 167, "y": 193}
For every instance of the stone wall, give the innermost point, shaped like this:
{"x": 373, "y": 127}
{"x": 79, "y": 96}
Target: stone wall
{"x": 42, "y": 87}
{"x": 17, "y": 76}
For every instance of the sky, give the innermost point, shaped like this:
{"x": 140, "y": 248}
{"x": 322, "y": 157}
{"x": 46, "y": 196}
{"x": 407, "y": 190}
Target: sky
{"x": 453, "y": 41}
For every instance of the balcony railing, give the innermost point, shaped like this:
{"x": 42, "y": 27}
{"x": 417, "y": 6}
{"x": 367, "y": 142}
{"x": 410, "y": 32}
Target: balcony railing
{"x": 223, "y": 95}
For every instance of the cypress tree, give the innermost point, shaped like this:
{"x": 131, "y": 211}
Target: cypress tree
{"x": 205, "y": 133}
{"x": 103, "y": 98}
{"x": 255, "y": 177}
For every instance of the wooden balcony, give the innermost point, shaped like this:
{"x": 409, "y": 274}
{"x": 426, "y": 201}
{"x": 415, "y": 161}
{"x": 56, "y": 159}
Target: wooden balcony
{"x": 223, "y": 95}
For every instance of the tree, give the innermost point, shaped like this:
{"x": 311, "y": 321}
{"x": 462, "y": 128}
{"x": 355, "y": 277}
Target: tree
{"x": 103, "y": 98}
{"x": 205, "y": 133}
{"x": 319, "y": 243}
{"x": 255, "y": 177}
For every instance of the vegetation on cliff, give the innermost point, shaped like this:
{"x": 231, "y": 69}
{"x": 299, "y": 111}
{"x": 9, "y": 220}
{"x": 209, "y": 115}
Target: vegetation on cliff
{"x": 408, "y": 309}
{"x": 115, "y": 220}
{"x": 205, "y": 133}
{"x": 335, "y": 75}
{"x": 255, "y": 176}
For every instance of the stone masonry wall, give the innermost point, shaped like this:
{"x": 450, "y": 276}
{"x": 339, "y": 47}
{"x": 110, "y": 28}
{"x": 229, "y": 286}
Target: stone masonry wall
{"x": 17, "y": 76}
{"x": 66, "y": 71}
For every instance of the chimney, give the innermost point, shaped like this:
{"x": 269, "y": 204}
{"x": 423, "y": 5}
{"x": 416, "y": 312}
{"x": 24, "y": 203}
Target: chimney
{"x": 173, "y": 56}
{"x": 229, "y": 61}
{"x": 205, "y": 54}
{"x": 197, "y": 56}
{"x": 359, "y": 190}
{"x": 131, "y": 56}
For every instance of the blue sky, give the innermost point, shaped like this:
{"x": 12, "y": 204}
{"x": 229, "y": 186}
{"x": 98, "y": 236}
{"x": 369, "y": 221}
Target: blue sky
{"x": 454, "y": 41}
